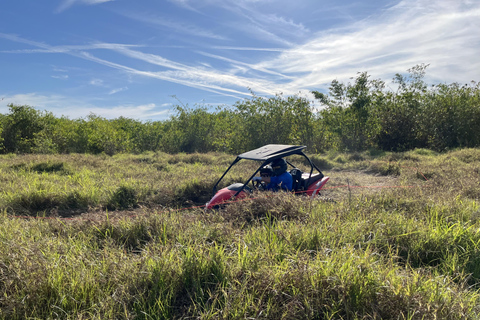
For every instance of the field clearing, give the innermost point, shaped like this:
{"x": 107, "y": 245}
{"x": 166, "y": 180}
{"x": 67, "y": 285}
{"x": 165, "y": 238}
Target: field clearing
{"x": 99, "y": 237}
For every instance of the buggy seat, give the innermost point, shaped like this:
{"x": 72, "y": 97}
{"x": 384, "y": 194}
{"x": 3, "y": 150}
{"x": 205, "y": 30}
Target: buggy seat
{"x": 300, "y": 179}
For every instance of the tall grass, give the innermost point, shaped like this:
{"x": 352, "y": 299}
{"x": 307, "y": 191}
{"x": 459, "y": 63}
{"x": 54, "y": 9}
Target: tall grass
{"x": 58, "y": 184}
{"x": 409, "y": 252}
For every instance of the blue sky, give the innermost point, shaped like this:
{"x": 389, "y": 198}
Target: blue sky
{"x": 139, "y": 58}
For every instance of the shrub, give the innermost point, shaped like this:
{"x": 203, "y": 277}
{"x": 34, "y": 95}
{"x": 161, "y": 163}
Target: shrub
{"x": 20, "y": 127}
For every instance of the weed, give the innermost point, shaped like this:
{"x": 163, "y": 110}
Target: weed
{"x": 472, "y": 192}
{"x": 125, "y": 197}
{"x": 162, "y": 167}
{"x": 283, "y": 206}
{"x": 424, "y": 152}
{"x": 48, "y": 167}
{"x": 467, "y": 155}
{"x": 356, "y": 157}
{"x": 194, "y": 191}
{"x": 384, "y": 168}
{"x": 340, "y": 159}
{"x": 376, "y": 153}
{"x": 34, "y": 202}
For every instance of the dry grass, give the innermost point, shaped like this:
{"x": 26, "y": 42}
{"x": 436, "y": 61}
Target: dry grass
{"x": 399, "y": 247}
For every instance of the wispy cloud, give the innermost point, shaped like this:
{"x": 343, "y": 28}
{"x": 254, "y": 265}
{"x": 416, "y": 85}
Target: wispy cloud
{"x": 220, "y": 82}
{"x": 61, "y": 77}
{"x": 60, "y": 49}
{"x": 443, "y": 34}
{"x": 270, "y": 23}
{"x": 249, "y": 21}
{"x": 66, "y": 4}
{"x": 410, "y": 33}
{"x": 184, "y": 4}
{"x": 249, "y": 48}
{"x": 194, "y": 78}
{"x": 263, "y": 22}
{"x": 31, "y": 99}
{"x": 244, "y": 67}
{"x": 173, "y": 25}
{"x": 96, "y": 82}
{"x": 146, "y": 111}
{"x": 117, "y": 90}
{"x": 74, "y": 109}
{"x": 57, "y": 69}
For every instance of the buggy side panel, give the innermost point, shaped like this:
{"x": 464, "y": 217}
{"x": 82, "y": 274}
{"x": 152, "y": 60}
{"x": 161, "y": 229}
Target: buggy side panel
{"x": 314, "y": 188}
{"x": 226, "y": 194}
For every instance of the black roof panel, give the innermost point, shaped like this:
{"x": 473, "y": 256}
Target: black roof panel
{"x": 271, "y": 152}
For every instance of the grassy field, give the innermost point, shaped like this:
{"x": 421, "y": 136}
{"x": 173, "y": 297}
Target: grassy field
{"x": 393, "y": 236}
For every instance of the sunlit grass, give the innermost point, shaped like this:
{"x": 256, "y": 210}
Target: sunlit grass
{"x": 408, "y": 250}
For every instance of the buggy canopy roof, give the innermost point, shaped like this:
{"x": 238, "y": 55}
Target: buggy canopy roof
{"x": 271, "y": 152}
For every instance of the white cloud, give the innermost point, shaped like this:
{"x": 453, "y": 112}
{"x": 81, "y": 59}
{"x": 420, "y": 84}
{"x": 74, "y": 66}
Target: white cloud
{"x": 75, "y": 109}
{"x": 61, "y": 77}
{"x": 184, "y": 4}
{"x": 174, "y": 25}
{"x": 66, "y": 4}
{"x": 57, "y": 69}
{"x": 140, "y": 112}
{"x": 95, "y": 1}
{"x": 117, "y": 90}
{"x": 68, "y": 49}
{"x": 249, "y": 48}
{"x": 442, "y": 34}
{"x": 188, "y": 76}
{"x": 96, "y": 82}
{"x": 244, "y": 67}
{"x": 35, "y": 100}
{"x": 197, "y": 77}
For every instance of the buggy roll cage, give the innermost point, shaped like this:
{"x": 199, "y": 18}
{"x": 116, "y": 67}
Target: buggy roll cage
{"x": 267, "y": 154}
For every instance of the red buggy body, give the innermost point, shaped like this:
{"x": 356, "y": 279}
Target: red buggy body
{"x": 309, "y": 183}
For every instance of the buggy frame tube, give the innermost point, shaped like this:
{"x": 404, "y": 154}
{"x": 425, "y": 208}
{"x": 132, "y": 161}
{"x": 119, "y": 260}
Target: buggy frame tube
{"x": 216, "y": 184}
{"x": 249, "y": 179}
{"x": 312, "y": 165}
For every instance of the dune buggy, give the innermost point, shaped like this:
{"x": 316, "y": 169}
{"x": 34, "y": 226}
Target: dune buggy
{"x": 309, "y": 183}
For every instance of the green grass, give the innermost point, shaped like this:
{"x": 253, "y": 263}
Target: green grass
{"x": 56, "y": 184}
{"x": 124, "y": 249}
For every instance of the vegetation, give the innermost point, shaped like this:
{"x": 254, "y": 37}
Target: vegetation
{"x": 104, "y": 219}
{"x": 100, "y": 237}
{"x": 355, "y": 116}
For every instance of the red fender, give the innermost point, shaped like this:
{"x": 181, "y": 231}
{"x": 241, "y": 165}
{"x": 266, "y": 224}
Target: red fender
{"x": 314, "y": 188}
{"x": 226, "y": 194}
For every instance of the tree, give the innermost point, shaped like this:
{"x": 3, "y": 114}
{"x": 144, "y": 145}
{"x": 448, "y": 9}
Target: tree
{"x": 20, "y": 127}
{"x": 348, "y": 112}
